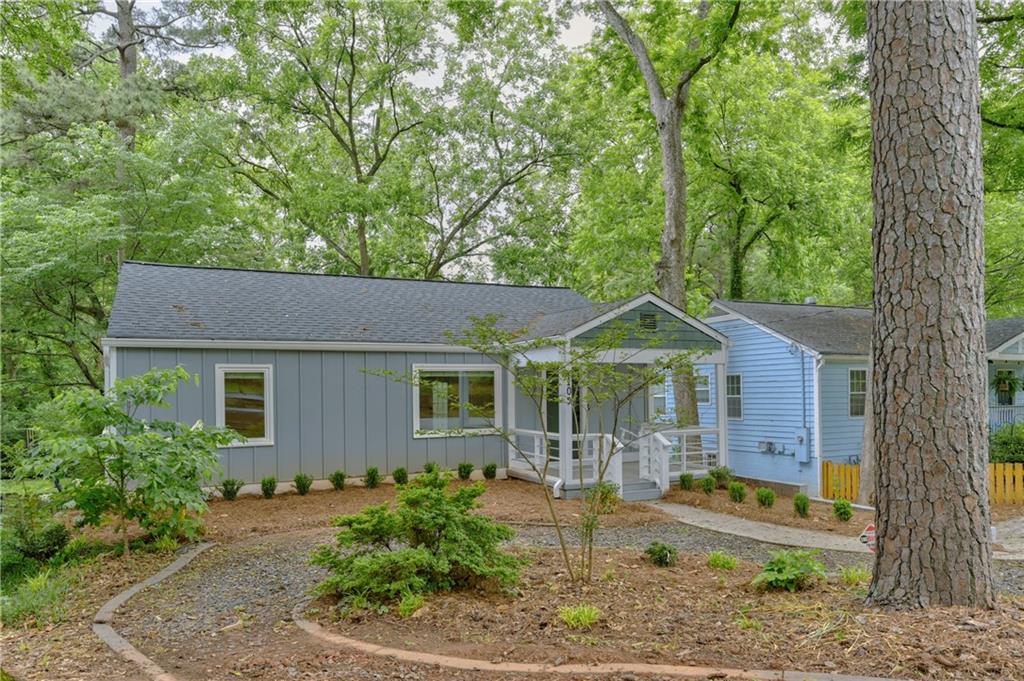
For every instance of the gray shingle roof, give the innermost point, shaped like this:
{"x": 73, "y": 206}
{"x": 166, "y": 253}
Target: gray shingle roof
{"x": 199, "y": 303}
{"x": 833, "y": 330}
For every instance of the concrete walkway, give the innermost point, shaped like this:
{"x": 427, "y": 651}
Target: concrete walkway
{"x": 1010, "y": 533}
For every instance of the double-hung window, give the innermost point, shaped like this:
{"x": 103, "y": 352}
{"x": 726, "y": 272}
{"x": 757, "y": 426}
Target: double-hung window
{"x": 702, "y": 388}
{"x": 734, "y": 396}
{"x": 244, "y": 396}
{"x": 858, "y": 392}
{"x": 453, "y": 399}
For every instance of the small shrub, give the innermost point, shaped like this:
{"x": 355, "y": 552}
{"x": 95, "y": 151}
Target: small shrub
{"x": 791, "y": 570}
{"x": 854, "y": 575}
{"x": 409, "y": 604}
{"x": 737, "y": 492}
{"x": 708, "y": 485}
{"x": 465, "y": 470}
{"x": 722, "y": 476}
{"x": 303, "y": 481}
{"x": 686, "y": 481}
{"x": 720, "y": 560}
{"x": 400, "y": 476}
{"x": 165, "y": 545}
{"x": 765, "y": 497}
{"x": 1006, "y": 445}
{"x": 431, "y": 541}
{"x": 229, "y": 488}
{"x": 39, "y": 598}
{"x": 802, "y": 504}
{"x": 582, "y": 616}
{"x": 605, "y": 497}
{"x": 268, "y": 486}
{"x": 29, "y": 536}
{"x": 337, "y": 479}
{"x": 490, "y": 471}
{"x": 842, "y": 510}
{"x": 662, "y": 554}
{"x": 372, "y": 477}
{"x": 430, "y": 467}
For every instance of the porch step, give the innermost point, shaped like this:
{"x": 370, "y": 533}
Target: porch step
{"x": 640, "y": 490}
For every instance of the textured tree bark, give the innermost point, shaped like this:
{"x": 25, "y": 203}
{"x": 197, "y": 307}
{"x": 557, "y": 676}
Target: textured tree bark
{"x": 929, "y": 400}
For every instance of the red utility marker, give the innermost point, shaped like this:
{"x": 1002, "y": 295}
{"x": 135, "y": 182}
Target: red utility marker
{"x": 868, "y": 537}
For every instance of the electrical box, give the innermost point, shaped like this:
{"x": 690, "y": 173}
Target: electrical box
{"x": 802, "y": 442}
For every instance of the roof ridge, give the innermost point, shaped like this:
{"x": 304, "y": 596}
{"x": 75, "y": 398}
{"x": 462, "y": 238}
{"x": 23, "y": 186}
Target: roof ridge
{"x": 346, "y": 276}
{"x": 726, "y": 301}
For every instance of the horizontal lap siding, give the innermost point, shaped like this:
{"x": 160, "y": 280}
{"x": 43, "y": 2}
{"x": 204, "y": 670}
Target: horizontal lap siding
{"x": 773, "y": 390}
{"x": 841, "y": 435}
{"x": 329, "y": 414}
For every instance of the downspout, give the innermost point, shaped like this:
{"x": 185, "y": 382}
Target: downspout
{"x": 818, "y": 362}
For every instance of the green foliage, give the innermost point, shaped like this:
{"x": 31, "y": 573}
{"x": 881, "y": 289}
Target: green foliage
{"x": 662, "y": 554}
{"x": 802, "y": 504}
{"x": 409, "y": 604}
{"x": 791, "y": 570}
{"x": 720, "y": 560}
{"x": 430, "y": 467}
{"x": 303, "y": 481}
{"x": 604, "y": 497}
{"x": 1006, "y": 445}
{"x": 36, "y": 600}
{"x": 722, "y": 475}
{"x": 400, "y": 476}
{"x": 165, "y": 545}
{"x": 113, "y": 462}
{"x": 431, "y": 541}
{"x": 855, "y": 575}
{"x": 372, "y": 478}
{"x": 229, "y": 488}
{"x": 765, "y": 497}
{"x": 268, "y": 486}
{"x": 582, "y": 616}
{"x": 842, "y": 510}
{"x": 337, "y": 479}
{"x": 708, "y": 485}
{"x": 686, "y": 481}
{"x": 465, "y": 470}
{"x": 490, "y": 471}
{"x": 29, "y": 537}
{"x": 737, "y": 492}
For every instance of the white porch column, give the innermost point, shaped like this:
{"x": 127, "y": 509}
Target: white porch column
{"x": 564, "y": 428}
{"x": 723, "y": 419}
{"x": 510, "y": 427}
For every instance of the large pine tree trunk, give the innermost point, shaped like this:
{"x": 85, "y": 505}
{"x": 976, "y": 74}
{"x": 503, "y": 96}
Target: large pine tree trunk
{"x": 928, "y": 339}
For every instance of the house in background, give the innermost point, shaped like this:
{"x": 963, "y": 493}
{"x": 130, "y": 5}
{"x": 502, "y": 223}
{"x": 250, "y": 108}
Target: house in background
{"x": 797, "y": 382}
{"x": 292, "y": 361}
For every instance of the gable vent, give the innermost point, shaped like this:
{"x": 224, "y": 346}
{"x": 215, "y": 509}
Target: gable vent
{"x": 648, "y": 321}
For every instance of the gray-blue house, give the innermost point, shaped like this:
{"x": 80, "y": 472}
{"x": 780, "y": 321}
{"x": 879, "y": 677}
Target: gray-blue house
{"x": 797, "y": 383}
{"x": 292, "y": 362}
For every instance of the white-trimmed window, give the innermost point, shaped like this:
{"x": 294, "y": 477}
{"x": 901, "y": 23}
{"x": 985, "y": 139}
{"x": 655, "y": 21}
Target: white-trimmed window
{"x": 245, "y": 402}
{"x": 661, "y": 390}
{"x": 702, "y": 387}
{"x": 450, "y": 399}
{"x": 734, "y": 396}
{"x": 858, "y": 391}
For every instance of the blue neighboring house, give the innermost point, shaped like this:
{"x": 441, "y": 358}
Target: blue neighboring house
{"x": 797, "y": 382}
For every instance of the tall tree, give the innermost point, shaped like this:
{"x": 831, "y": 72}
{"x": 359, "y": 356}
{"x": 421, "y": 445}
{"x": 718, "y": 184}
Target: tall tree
{"x": 668, "y": 107}
{"x": 928, "y": 341}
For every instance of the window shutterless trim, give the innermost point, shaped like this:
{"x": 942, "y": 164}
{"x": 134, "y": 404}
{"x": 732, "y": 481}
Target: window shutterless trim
{"x": 728, "y": 396}
{"x": 850, "y": 393}
{"x": 459, "y": 369}
{"x": 268, "y": 401}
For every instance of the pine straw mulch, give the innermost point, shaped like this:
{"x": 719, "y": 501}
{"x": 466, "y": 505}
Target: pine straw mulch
{"x": 690, "y": 614}
{"x": 781, "y": 513}
{"x": 510, "y": 501}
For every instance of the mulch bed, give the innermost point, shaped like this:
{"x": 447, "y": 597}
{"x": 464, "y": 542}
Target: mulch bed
{"x": 690, "y": 614}
{"x": 781, "y": 513}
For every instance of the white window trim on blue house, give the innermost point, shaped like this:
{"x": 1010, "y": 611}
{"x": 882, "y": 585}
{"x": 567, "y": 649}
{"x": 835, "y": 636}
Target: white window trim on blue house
{"x": 850, "y": 393}
{"x": 729, "y": 396}
{"x": 418, "y": 433}
{"x": 268, "y": 401}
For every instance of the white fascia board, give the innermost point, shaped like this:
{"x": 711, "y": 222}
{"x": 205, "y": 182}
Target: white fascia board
{"x": 654, "y": 300}
{"x": 996, "y": 353}
{"x": 335, "y": 346}
{"x": 772, "y": 332}
{"x": 649, "y": 356}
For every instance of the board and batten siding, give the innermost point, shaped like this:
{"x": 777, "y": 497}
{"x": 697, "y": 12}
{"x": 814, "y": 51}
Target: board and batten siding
{"x": 671, "y": 333}
{"x": 329, "y": 414}
{"x": 842, "y": 435}
{"x": 778, "y": 405}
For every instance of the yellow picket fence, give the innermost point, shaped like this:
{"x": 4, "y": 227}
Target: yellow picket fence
{"x": 1005, "y": 482}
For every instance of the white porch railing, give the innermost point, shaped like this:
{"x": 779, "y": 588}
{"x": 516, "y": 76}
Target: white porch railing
{"x": 666, "y": 454}
{"x": 581, "y": 469}
{"x": 1001, "y": 415}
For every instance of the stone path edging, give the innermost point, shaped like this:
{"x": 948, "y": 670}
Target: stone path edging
{"x": 469, "y": 664}
{"x": 102, "y": 621}
{"x": 777, "y": 534}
